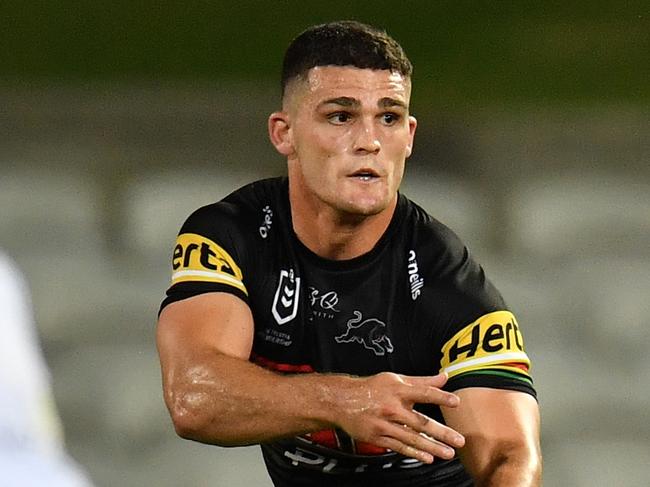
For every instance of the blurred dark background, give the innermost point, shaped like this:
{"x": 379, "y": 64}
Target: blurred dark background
{"x": 465, "y": 52}
{"x": 118, "y": 119}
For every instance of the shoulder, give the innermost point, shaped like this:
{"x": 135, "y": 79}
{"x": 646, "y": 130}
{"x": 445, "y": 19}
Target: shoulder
{"x": 218, "y": 244}
{"x": 240, "y": 211}
{"x": 454, "y": 279}
{"x": 431, "y": 239}
{"x": 225, "y": 234}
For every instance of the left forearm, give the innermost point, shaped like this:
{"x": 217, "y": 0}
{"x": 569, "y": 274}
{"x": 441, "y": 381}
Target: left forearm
{"x": 511, "y": 472}
{"x": 501, "y": 429}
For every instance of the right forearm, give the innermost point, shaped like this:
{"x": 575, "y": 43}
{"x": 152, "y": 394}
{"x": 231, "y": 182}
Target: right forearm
{"x": 229, "y": 401}
{"x": 215, "y": 395}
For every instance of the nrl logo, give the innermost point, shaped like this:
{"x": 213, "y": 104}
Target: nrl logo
{"x": 371, "y": 333}
{"x": 285, "y": 302}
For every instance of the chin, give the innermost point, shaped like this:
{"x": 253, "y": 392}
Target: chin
{"x": 365, "y": 208}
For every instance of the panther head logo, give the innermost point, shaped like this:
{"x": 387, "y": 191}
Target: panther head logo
{"x": 371, "y": 333}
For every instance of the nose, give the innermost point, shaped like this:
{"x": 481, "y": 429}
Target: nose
{"x": 366, "y": 141}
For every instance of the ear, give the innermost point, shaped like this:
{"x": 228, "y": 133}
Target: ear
{"x": 280, "y": 133}
{"x": 413, "y": 124}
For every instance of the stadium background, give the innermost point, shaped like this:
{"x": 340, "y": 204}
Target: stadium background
{"x": 117, "y": 119}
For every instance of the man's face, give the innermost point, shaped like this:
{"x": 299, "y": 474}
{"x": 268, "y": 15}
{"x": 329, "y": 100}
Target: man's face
{"x": 349, "y": 133}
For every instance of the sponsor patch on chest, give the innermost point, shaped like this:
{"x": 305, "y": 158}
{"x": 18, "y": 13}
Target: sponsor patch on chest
{"x": 323, "y": 304}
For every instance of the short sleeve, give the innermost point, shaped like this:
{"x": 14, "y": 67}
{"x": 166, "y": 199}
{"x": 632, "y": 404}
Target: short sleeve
{"x": 209, "y": 255}
{"x": 479, "y": 342}
{"x": 488, "y": 352}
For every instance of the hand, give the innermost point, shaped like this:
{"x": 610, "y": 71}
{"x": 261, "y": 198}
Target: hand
{"x": 380, "y": 411}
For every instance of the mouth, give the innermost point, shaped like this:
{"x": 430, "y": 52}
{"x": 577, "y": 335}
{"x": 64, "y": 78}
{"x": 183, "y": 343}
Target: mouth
{"x": 365, "y": 174}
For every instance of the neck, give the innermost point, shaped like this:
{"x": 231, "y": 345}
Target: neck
{"x": 334, "y": 235}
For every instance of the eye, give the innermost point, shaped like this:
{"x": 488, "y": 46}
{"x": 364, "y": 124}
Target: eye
{"x": 339, "y": 118}
{"x": 390, "y": 118}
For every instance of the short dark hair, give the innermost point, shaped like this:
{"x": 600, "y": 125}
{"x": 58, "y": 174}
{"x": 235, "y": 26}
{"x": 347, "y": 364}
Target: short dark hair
{"x": 343, "y": 43}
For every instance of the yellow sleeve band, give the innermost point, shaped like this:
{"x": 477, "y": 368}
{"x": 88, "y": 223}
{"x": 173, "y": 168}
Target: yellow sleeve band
{"x": 199, "y": 259}
{"x": 492, "y": 341}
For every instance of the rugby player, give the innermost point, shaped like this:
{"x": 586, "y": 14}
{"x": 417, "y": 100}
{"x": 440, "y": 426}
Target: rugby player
{"x": 330, "y": 319}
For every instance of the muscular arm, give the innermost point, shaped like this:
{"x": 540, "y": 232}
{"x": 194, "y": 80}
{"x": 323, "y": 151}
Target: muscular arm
{"x": 215, "y": 395}
{"x": 502, "y": 432}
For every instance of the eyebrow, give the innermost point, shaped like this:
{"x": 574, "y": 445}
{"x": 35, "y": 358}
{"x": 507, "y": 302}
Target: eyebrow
{"x": 346, "y": 101}
{"x": 388, "y": 102}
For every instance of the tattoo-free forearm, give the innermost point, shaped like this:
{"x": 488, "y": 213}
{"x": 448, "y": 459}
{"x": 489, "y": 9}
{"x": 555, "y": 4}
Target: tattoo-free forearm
{"x": 512, "y": 471}
{"x": 228, "y": 401}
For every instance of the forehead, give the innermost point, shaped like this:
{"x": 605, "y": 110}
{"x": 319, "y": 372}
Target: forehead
{"x": 369, "y": 85}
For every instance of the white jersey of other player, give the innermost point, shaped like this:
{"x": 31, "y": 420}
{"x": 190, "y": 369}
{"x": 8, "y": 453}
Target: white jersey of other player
{"x": 32, "y": 452}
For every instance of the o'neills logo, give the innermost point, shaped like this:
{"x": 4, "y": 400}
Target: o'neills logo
{"x": 415, "y": 280}
{"x": 268, "y": 221}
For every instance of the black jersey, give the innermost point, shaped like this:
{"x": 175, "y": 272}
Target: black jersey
{"x": 416, "y": 304}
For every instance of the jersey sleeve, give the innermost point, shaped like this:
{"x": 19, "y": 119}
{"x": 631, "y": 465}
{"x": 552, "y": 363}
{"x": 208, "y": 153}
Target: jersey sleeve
{"x": 489, "y": 352}
{"x": 209, "y": 255}
{"x": 482, "y": 343}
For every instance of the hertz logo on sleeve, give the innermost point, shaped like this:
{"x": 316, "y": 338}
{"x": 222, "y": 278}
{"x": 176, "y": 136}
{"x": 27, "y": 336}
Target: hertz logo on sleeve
{"x": 494, "y": 341}
{"x": 197, "y": 258}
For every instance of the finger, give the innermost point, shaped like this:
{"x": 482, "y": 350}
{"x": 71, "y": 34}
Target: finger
{"x": 431, "y": 395}
{"x": 416, "y": 445}
{"x": 406, "y": 450}
{"x": 438, "y": 380}
{"x": 421, "y": 423}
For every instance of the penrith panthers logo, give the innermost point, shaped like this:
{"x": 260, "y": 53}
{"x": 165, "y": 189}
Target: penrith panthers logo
{"x": 371, "y": 333}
